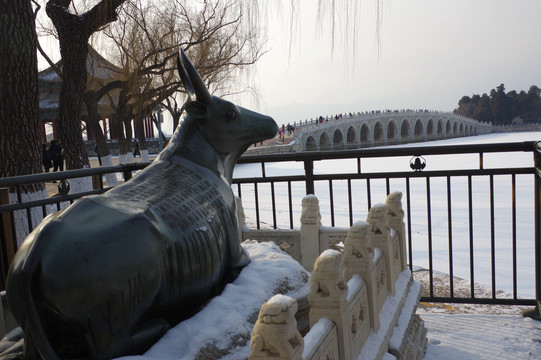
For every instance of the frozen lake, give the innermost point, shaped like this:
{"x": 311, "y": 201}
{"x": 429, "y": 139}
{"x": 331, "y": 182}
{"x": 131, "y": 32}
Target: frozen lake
{"x": 481, "y": 212}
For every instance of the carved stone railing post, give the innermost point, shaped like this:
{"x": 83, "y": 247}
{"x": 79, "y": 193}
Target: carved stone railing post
{"x": 357, "y": 248}
{"x": 359, "y": 242}
{"x": 310, "y": 225}
{"x": 381, "y": 238}
{"x": 396, "y": 222}
{"x": 328, "y": 297}
{"x": 275, "y": 334}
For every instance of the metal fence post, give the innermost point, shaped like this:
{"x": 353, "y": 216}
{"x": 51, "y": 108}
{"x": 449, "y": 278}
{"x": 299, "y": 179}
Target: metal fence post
{"x": 6, "y": 247}
{"x": 536, "y": 313}
{"x": 537, "y": 187}
{"x": 127, "y": 174}
{"x": 309, "y": 173}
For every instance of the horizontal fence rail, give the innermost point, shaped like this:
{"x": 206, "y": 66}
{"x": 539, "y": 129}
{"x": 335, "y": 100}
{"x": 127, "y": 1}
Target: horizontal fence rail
{"x": 477, "y": 223}
{"x": 21, "y": 214}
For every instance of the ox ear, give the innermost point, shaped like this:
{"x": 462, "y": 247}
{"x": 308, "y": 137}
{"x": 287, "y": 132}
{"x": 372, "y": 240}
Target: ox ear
{"x": 196, "y": 109}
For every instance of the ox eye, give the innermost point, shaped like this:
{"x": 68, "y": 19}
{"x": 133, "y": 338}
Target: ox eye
{"x": 231, "y": 114}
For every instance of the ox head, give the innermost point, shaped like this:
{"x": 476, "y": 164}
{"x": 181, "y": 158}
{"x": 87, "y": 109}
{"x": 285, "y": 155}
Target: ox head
{"x": 227, "y": 127}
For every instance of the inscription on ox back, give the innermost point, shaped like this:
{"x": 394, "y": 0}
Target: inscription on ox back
{"x": 181, "y": 197}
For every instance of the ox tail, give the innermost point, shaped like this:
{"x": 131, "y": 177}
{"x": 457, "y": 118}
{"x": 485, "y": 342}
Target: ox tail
{"x": 25, "y": 287}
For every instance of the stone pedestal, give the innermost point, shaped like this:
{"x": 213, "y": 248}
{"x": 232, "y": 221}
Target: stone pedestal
{"x": 328, "y": 292}
{"x": 396, "y": 222}
{"x": 310, "y": 225}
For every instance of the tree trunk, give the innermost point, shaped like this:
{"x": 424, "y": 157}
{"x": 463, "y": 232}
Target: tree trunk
{"x": 20, "y": 138}
{"x": 124, "y": 147}
{"x": 141, "y": 138}
{"x": 128, "y": 127}
{"x": 19, "y": 111}
{"x": 74, "y": 54}
{"x": 73, "y": 34}
{"x": 140, "y": 131}
{"x": 74, "y": 51}
{"x": 93, "y": 123}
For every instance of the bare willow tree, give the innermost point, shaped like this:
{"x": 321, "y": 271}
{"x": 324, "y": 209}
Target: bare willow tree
{"x": 147, "y": 37}
{"x": 75, "y": 27}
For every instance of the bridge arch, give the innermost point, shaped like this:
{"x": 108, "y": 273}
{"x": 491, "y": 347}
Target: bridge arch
{"x": 430, "y": 130}
{"x": 418, "y": 131}
{"x": 337, "y": 140}
{"x": 365, "y": 135}
{"x": 324, "y": 141}
{"x": 448, "y": 128}
{"x": 405, "y": 132}
{"x": 455, "y": 129}
{"x": 392, "y": 134}
{"x": 379, "y": 135}
{"x": 311, "y": 144}
{"x": 351, "y": 137}
{"x": 440, "y": 129}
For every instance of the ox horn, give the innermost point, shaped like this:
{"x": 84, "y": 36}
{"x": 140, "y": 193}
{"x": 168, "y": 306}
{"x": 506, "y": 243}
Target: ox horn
{"x": 185, "y": 78}
{"x": 191, "y": 79}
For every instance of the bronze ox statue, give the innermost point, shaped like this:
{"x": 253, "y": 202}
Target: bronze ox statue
{"x": 109, "y": 275}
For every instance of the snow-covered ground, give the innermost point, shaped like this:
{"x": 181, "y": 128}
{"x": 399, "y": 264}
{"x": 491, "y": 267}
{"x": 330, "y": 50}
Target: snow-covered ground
{"x": 222, "y": 329}
{"x": 473, "y": 331}
{"x": 481, "y": 337}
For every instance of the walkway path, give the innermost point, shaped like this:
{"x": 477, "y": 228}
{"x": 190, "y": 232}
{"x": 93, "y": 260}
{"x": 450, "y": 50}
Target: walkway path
{"x": 469, "y": 336}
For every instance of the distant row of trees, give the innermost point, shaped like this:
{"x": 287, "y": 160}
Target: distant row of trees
{"x": 501, "y": 108}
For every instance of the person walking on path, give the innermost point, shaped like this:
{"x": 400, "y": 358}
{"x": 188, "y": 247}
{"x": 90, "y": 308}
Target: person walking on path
{"x": 45, "y": 159}
{"x": 56, "y": 156}
{"x": 136, "y": 150}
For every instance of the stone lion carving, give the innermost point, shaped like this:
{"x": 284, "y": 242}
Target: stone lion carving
{"x": 357, "y": 242}
{"x": 328, "y": 276}
{"x": 394, "y": 205}
{"x": 310, "y": 210}
{"x": 379, "y": 220}
{"x": 275, "y": 332}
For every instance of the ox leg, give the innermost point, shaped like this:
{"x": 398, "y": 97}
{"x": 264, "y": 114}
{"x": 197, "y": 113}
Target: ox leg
{"x": 126, "y": 343}
{"x": 148, "y": 334}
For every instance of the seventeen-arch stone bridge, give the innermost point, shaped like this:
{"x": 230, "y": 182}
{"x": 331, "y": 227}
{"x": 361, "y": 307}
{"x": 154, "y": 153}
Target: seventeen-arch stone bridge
{"x": 385, "y": 128}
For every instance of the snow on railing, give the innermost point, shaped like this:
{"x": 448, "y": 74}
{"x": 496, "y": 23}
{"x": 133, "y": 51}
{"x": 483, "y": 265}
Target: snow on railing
{"x": 357, "y": 295}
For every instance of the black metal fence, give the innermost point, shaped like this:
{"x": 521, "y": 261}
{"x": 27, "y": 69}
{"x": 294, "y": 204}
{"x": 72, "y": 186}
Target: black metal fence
{"x": 21, "y": 214}
{"x": 473, "y": 223}
{"x": 444, "y": 208}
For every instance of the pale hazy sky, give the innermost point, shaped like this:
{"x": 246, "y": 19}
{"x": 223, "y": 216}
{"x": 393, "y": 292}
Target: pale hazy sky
{"x": 432, "y": 52}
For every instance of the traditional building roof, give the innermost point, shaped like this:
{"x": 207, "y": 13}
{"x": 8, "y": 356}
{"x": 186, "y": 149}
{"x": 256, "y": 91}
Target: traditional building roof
{"x": 100, "y": 72}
